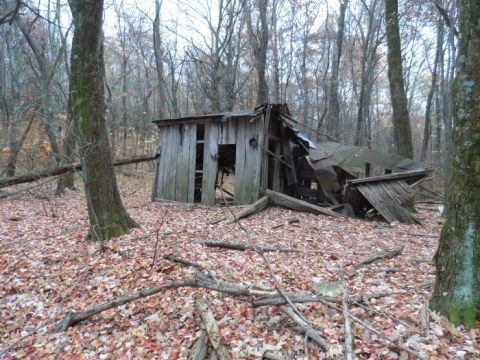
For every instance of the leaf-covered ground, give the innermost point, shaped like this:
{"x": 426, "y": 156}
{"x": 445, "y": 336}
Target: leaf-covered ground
{"x": 47, "y": 270}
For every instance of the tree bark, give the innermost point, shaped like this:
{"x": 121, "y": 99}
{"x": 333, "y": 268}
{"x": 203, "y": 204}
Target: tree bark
{"x": 457, "y": 286}
{"x": 259, "y": 41}
{"x": 107, "y": 214}
{"x": 159, "y": 60}
{"x": 401, "y": 119}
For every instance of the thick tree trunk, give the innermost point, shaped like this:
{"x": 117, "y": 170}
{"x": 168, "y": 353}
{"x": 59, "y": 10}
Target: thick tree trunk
{"x": 159, "y": 60}
{"x": 401, "y": 119}
{"x": 457, "y": 287}
{"x": 107, "y": 214}
{"x": 65, "y": 169}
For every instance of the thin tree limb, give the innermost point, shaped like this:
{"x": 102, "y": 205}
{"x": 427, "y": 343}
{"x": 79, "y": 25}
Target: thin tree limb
{"x": 306, "y": 327}
{"x": 72, "y": 319}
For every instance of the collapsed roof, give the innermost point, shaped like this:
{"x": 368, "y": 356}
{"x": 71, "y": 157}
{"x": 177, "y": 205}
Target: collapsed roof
{"x": 270, "y": 153}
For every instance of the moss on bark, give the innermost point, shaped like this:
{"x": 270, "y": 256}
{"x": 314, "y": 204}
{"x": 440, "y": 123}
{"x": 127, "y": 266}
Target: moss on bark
{"x": 457, "y": 287}
{"x": 107, "y": 214}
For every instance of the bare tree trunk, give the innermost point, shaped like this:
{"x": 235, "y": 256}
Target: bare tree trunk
{"x": 107, "y": 214}
{"x": 401, "y": 119}
{"x": 259, "y": 38}
{"x": 159, "y": 59}
{"x": 275, "y": 50}
{"x": 15, "y": 118}
{"x": 457, "y": 286}
{"x": 427, "y": 130}
{"x": 368, "y": 63}
{"x": 332, "y": 116}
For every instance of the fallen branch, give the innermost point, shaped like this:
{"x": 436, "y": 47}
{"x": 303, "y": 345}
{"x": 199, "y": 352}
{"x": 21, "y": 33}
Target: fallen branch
{"x": 240, "y": 247}
{"x": 212, "y": 328}
{"x": 72, "y": 319}
{"x": 276, "y": 299}
{"x": 64, "y": 169}
{"x": 346, "y": 322}
{"x": 378, "y": 256}
{"x": 292, "y": 309}
{"x": 198, "y": 267}
{"x": 425, "y": 235}
{"x": 306, "y": 327}
{"x": 376, "y": 332}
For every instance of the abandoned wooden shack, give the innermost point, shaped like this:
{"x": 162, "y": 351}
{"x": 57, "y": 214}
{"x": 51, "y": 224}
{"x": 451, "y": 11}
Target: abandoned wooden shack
{"x": 264, "y": 150}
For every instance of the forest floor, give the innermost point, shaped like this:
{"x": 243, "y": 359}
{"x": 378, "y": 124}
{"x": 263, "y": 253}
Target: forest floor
{"x": 47, "y": 270}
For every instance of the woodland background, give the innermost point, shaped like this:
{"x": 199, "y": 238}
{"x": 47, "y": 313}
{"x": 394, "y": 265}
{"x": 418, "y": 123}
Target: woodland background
{"x": 327, "y": 61}
{"x": 172, "y": 59}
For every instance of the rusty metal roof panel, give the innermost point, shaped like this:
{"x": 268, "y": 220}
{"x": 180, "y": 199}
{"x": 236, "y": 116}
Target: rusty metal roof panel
{"x": 353, "y": 158}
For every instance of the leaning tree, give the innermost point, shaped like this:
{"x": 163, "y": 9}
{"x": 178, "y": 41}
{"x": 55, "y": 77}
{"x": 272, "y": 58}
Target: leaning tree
{"x": 457, "y": 261}
{"x": 107, "y": 214}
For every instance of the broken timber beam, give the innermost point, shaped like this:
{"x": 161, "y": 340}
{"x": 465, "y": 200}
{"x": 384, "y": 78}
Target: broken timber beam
{"x": 298, "y": 205}
{"x": 256, "y": 207}
{"x": 60, "y": 170}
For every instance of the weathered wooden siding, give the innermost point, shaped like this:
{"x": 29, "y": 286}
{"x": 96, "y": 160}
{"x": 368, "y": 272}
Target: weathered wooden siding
{"x": 210, "y": 163}
{"x": 248, "y": 161}
{"x": 176, "y": 165}
{"x": 387, "y": 197}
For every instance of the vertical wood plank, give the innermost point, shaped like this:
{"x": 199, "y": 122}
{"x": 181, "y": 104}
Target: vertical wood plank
{"x": 240, "y": 163}
{"x": 164, "y": 164}
{"x": 210, "y": 163}
{"x": 183, "y": 164}
{"x": 192, "y": 148}
{"x": 173, "y": 142}
{"x": 264, "y": 125}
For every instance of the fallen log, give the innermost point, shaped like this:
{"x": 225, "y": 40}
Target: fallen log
{"x": 277, "y": 299}
{"x": 72, "y": 319}
{"x": 199, "y": 348}
{"x": 298, "y": 205}
{"x": 240, "y": 247}
{"x": 64, "y": 169}
{"x": 212, "y": 328}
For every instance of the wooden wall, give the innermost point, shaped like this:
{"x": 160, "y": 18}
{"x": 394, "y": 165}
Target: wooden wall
{"x": 176, "y": 165}
{"x": 175, "y": 176}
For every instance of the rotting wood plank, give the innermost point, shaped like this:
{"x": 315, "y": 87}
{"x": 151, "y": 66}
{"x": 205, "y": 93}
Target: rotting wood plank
{"x": 413, "y": 174}
{"x": 192, "y": 146}
{"x": 183, "y": 179}
{"x": 264, "y": 140}
{"x": 277, "y": 181}
{"x": 386, "y": 197}
{"x": 172, "y": 159}
{"x": 298, "y": 205}
{"x": 256, "y": 156}
{"x": 210, "y": 163}
{"x": 240, "y": 161}
{"x": 227, "y": 133}
{"x": 181, "y": 176}
{"x": 259, "y": 205}
{"x": 287, "y": 153}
